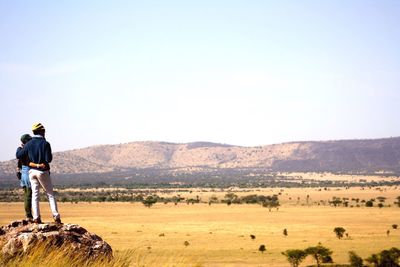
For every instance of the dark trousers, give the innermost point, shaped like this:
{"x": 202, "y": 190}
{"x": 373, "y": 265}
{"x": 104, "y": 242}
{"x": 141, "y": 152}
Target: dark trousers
{"x": 28, "y": 201}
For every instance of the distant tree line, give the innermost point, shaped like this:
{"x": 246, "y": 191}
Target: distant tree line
{"x": 209, "y": 177}
{"x": 147, "y": 197}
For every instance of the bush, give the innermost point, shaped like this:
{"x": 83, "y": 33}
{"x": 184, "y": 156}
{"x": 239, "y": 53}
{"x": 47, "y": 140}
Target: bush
{"x": 355, "y": 260}
{"x": 285, "y": 232}
{"x": 149, "y": 201}
{"x": 369, "y": 203}
{"x": 320, "y": 253}
{"x": 386, "y": 258}
{"x": 339, "y": 231}
{"x": 295, "y": 256}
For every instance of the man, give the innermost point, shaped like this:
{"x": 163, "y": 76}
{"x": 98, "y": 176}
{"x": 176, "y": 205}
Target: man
{"x": 39, "y": 152}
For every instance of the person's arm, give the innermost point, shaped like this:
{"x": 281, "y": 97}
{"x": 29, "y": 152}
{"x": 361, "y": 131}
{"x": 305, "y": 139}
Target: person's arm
{"x": 19, "y": 167}
{"x": 19, "y": 164}
{"x": 37, "y": 166}
{"x": 49, "y": 155}
{"x": 21, "y": 152}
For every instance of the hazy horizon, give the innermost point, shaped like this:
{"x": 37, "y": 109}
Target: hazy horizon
{"x": 239, "y": 73}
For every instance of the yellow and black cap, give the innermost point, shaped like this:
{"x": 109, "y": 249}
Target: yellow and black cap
{"x": 37, "y": 126}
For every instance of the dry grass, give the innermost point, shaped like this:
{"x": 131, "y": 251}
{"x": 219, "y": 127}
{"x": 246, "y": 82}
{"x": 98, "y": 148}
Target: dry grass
{"x": 45, "y": 255}
{"x": 219, "y": 235}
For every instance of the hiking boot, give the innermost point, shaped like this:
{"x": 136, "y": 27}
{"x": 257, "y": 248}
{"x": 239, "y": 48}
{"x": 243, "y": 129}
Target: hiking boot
{"x": 29, "y": 219}
{"x": 57, "y": 220}
{"x": 37, "y": 221}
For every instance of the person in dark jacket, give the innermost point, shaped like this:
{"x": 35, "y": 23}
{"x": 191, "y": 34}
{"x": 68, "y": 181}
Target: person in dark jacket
{"x": 38, "y": 150}
{"x": 23, "y": 176}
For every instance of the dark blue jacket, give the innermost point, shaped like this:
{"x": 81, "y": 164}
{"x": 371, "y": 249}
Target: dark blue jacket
{"x": 38, "y": 150}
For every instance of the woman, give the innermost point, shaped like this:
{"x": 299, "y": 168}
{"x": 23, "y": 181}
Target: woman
{"x": 23, "y": 176}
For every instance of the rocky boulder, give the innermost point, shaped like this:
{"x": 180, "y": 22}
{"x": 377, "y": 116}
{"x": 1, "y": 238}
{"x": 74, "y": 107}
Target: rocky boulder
{"x": 21, "y": 237}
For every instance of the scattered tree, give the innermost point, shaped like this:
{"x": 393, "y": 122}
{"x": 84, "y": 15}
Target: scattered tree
{"x": 355, "y": 260}
{"x": 231, "y": 198}
{"x": 369, "y": 203}
{"x": 186, "y": 243}
{"x": 149, "y": 201}
{"x": 262, "y": 248}
{"x": 394, "y": 226}
{"x": 285, "y": 232}
{"x": 213, "y": 199}
{"x": 397, "y": 202}
{"x": 253, "y": 237}
{"x": 271, "y": 202}
{"x": 320, "y": 253}
{"x": 339, "y": 231}
{"x": 373, "y": 259}
{"x": 381, "y": 199}
{"x": 295, "y": 256}
{"x": 336, "y": 201}
{"x": 386, "y": 258}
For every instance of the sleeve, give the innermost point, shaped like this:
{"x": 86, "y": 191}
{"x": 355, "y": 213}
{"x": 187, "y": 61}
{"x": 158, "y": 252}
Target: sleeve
{"x": 49, "y": 155}
{"x": 21, "y": 152}
{"x": 19, "y": 164}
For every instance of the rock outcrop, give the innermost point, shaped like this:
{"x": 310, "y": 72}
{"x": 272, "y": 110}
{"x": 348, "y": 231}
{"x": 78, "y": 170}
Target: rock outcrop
{"x": 21, "y": 237}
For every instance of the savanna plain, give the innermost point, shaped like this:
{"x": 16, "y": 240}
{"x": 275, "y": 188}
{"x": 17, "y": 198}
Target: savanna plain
{"x": 218, "y": 234}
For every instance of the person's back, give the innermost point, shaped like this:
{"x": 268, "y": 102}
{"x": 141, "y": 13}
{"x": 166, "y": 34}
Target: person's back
{"x": 39, "y": 153}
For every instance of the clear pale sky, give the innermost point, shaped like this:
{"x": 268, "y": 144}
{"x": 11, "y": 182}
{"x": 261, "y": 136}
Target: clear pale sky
{"x": 238, "y": 72}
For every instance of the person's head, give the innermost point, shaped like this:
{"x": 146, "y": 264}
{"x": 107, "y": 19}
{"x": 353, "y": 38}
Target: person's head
{"x": 25, "y": 138}
{"x": 38, "y": 129}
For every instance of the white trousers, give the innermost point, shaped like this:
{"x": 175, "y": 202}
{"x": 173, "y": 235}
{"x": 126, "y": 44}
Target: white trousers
{"x": 42, "y": 178}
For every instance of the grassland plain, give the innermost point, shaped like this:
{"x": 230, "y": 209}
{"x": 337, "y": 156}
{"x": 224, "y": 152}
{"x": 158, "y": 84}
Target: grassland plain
{"x": 219, "y": 235}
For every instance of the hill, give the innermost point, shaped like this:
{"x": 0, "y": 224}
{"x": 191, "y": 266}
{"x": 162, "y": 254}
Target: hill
{"x": 347, "y": 156}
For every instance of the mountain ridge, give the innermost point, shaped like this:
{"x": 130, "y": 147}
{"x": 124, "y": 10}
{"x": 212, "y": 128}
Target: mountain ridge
{"x": 350, "y": 155}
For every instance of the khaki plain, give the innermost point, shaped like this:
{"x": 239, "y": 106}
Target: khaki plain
{"x": 219, "y": 235}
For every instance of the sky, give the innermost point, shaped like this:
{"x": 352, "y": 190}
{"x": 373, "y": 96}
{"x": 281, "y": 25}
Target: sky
{"x": 246, "y": 73}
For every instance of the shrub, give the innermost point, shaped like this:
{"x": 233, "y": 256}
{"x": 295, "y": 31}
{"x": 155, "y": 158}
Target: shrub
{"x": 386, "y": 258}
{"x": 369, "y": 203}
{"x": 339, "y": 231}
{"x": 285, "y": 232}
{"x": 213, "y": 199}
{"x": 295, "y": 256}
{"x": 149, "y": 201}
{"x": 355, "y": 260}
{"x": 320, "y": 253}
